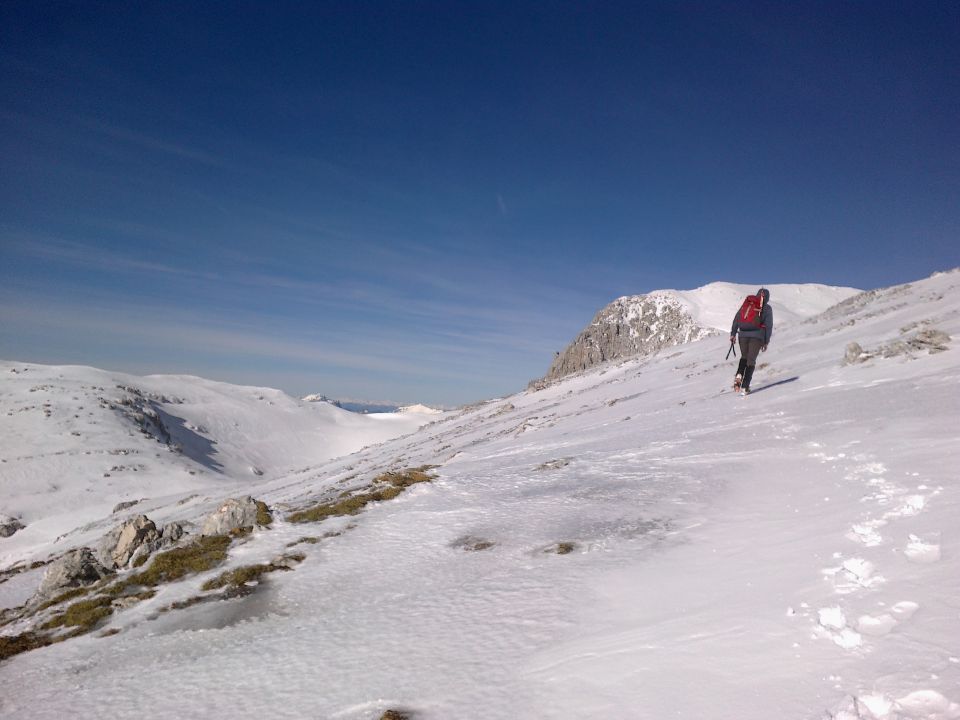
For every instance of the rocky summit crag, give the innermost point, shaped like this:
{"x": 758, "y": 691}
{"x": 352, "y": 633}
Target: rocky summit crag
{"x": 629, "y": 326}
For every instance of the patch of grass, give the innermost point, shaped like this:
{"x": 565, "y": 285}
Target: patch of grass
{"x": 203, "y": 554}
{"x": 84, "y": 614}
{"x": 238, "y": 577}
{"x": 395, "y": 715}
{"x": 264, "y": 517}
{"x": 406, "y": 478}
{"x": 473, "y": 544}
{"x": 312, "y": 540}
{"x": 184, "y": 604}
{"x": 16, "y": 644}
{"x": 396, "y": 483}
{"x": 68, "y": 595}
{"x": 562, "y": 548}
{"x": 109, "y": 633}
{"x": 346, "y": 506}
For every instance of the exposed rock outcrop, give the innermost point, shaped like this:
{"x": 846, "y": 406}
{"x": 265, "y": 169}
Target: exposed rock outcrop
{"x": 9, "y": 525}
{"x": 75, "y": 569}
{"x": 134, "y": 541}
{"x": 126, "y": 505}
{"x": 236, "y": 514}
{"x": 627, "y": 327}
{"x": 930, "y": 341}
{"x": 118, "y": 546}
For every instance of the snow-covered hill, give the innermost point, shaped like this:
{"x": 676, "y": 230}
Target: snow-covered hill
{"x": 638, "y": 325}
{"x": 633, "y": 542}
{"x": 75, "y": 441}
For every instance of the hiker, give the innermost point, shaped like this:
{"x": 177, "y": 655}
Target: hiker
{"x": 754, "y": 323}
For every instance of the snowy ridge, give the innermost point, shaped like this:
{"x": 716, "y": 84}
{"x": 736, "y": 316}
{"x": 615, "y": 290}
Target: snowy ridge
{"x": 631, "y": 542}
{"x": 714, "y": 305}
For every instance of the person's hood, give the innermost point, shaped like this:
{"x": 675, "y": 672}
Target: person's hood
{"x": 763, "y": 292}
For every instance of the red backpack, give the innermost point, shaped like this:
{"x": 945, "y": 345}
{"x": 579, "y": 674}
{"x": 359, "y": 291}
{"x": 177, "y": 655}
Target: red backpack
{"x": 751, "y": 312}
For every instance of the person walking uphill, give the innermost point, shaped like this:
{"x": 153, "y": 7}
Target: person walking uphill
{"x": 754, "y": 323}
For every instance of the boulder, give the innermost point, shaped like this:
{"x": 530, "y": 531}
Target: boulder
{"x": 233, "y": 514}
{"x": 171, "y": 533}
{"x": 118, "y": 547}
{"x": 854, "y": 354}
{"x": 126, "y": 505}
{"x": 75, "y": 569}
{"x": 9, "y": 525}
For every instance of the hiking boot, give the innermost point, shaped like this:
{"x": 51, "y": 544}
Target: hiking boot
{"x": 737, "y": 382}
{"x": 745, "y": 391}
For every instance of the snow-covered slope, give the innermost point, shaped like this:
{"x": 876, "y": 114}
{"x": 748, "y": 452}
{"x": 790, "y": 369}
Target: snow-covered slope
{"x": 638, "y": 325}
{"x": 714, "y": 305}
{"x": 75, "y": 441}
{"x": 634, "y": 542}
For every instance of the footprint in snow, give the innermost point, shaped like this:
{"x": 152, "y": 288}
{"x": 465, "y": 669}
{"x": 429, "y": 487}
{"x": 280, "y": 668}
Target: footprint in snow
{"x": 866, "y": 532}
{"x": 919, "y": 550}
{"x": 832, "y": 624}
{"x": 852, "y": 575}
{"x": 917, "y": 705}
{"x": 878, "y": 625}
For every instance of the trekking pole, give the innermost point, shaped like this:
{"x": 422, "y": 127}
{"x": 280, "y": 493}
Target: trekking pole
{"x": 731, "y": 350}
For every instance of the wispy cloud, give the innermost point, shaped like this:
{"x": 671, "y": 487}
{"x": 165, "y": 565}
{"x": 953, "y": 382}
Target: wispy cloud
{"x": 94, "y": 257}
{"x": 153, "y": 144}
{"x": 118, "y": 329}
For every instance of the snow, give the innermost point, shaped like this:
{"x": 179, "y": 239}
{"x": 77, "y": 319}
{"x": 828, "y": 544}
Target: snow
{"x": 714, "y": 305}
{"x": 68, "y": 454}
{"x": 793, "y": 554}
{"x": 419, "y": 409}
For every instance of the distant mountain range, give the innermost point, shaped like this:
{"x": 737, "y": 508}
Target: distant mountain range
{"x": 357, "y": 406}
{"x": 365, "y": 408}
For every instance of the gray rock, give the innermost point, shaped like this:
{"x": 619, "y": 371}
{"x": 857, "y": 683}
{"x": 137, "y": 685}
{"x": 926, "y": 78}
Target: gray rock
{"x": 854, "y": 354}
{"x": 118, "y": 547}
{"x": 933, "y": 341}
{"x": 233, "y": 514}
{"x": 630, "y": 326}
{"x": 75, "y": 569}
{"x": 9, "y": 525}
{"x": 120, "y": 507}
{"x": 171, "y": 533}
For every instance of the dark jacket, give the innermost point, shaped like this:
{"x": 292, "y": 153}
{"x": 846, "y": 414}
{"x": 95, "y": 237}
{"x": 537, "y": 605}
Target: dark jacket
{"x": 766, "y": 319}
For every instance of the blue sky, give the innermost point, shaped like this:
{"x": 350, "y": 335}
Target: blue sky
{"x": 416, "y": 201}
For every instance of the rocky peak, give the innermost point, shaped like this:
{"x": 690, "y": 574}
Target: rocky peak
{"x": 629, "y": 326}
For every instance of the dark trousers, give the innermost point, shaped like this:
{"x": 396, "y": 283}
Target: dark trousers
{"x": 749, "y": 349}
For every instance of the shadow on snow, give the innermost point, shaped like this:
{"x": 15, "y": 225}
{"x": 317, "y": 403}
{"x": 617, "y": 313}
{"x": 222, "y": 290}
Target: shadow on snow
{"x": 772, "y": 385}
